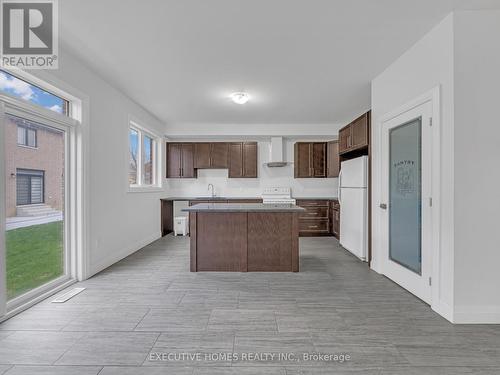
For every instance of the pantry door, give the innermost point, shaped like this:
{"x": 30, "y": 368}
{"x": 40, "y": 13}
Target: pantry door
{"x": 406, "y": 200}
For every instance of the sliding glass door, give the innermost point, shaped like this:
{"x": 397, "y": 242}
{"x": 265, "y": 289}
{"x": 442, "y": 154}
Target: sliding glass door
{"x": 35, "y": 255}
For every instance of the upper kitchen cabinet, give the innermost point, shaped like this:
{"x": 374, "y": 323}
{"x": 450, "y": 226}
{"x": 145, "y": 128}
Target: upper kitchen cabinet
{"x": 355, "y": 136}
{"x": 310, "y": 159}
{"x": 211, "y": 155}
{"x": 333, "y": 160}
{"x": 243, "y": 160}
{"x": 180, "y": 160}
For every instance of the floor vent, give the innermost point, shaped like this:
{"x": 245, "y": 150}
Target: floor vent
{"x": 66, "y": 296}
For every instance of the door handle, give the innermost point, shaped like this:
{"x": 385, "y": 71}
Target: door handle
{"x": 383, "y": 206}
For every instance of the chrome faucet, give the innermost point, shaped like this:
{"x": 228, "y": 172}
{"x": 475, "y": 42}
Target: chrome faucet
{"x": 213, "y": 189}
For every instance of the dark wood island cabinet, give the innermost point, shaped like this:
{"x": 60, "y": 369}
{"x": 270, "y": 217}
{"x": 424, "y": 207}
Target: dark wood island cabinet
{"x": 244, "y": 237}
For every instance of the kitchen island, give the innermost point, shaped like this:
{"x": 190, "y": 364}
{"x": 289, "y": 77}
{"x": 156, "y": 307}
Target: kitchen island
{"x": 241, "y": 237}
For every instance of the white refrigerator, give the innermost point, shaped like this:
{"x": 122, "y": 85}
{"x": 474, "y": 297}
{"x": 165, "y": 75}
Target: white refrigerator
{"x": 353, "y": 200}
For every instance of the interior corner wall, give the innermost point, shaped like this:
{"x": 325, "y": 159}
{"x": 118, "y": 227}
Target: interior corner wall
{"x": 429, "y": 63}
{"x": 118, "y": 222}
{"x": 477, "y": 170}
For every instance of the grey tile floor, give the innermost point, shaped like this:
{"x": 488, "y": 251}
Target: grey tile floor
{"x": 148, "y": 305}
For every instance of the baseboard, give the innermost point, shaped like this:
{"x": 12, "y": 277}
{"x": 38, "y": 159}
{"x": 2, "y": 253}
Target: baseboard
{"x": 477, "y": 315}
{"x": 375, "y": 266}
{"x": 445, "y": 310}
{"x": 116, "y": 257}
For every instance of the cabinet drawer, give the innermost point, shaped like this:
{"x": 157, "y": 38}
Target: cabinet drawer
{"x": 311, "y": 203}
{"x": 315, "y": 212}
{"x": 318, "y": 226}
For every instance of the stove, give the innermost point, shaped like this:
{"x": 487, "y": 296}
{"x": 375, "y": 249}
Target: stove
{"x": 277, "y": 195}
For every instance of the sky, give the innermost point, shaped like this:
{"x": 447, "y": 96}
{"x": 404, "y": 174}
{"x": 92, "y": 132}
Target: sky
{"x": 21, "y": 89}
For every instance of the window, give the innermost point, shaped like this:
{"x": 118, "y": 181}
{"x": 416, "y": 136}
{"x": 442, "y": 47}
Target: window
{"x": 143, "y": 158}
{"x": 26, "y": 136}
{"x": 29, "y": 186}
{"x": 19, "y": 88}
{"x": 134, "y": 147}
{"x": 147, "y": 169}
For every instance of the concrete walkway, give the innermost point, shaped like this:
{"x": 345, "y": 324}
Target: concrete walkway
{"x": 27, "y": 221}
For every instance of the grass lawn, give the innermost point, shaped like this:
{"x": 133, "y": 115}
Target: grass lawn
{"x": 34, "y": 257}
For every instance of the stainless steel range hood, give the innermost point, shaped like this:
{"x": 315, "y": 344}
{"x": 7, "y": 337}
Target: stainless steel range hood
{"x": 276, "y": 153}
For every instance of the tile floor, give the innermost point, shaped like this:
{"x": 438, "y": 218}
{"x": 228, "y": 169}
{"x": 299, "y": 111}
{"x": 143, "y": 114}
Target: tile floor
{"x": 149, "y": 305}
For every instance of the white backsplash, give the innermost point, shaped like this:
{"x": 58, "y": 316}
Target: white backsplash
{"x": 252, "y": 187}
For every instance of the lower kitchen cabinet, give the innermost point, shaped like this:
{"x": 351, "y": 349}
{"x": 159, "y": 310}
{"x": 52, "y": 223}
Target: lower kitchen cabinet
{"x": 315, "y": 220}
{"x": 236, "y": 200}
{"x": 191, "y": 203}
{"x": 320, "y": 218}
{"x": 335, "y": 218}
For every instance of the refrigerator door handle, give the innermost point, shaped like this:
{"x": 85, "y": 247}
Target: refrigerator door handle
{"x": 339, "y": 188}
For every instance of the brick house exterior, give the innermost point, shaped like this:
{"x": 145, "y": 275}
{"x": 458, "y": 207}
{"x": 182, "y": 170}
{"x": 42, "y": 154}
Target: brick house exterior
{"x": 45, "y": 159}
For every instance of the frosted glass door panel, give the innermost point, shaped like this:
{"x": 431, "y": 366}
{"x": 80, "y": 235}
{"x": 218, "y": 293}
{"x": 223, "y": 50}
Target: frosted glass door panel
{"x": 405, "y": 198}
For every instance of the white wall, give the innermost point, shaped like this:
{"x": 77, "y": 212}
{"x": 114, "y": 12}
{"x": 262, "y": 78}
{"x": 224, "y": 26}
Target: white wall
{"x": 254, "y": 130}
{"x": 477, "y": 170}
{"x": 252, "y": 187}
{"x": 429, "y": 63}
{"x": 461, "y": 55}
{"x": 119, "y": 222}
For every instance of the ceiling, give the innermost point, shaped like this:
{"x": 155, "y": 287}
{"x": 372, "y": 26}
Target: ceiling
{"x": 302, "y": 62}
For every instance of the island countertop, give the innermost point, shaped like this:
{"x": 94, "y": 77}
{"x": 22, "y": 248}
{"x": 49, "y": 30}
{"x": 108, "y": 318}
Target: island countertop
{"x": 243, "y": 207}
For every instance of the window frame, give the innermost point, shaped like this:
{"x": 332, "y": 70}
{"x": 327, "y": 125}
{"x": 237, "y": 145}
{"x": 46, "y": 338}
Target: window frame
{"x": 142, "y": 132}
{"x": 67, "y": 104}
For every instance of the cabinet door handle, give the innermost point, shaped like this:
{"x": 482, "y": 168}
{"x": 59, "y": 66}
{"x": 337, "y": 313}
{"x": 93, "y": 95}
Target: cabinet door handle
{"x": 180, "y": 172}
{"x": 313, "y": 226}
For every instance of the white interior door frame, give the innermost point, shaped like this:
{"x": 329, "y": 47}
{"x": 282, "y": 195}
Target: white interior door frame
{"x": 433, "y": 98}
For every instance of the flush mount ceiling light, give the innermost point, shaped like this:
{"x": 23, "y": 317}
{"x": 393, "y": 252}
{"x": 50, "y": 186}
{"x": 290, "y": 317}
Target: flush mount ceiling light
{"x": 240, "y": 97}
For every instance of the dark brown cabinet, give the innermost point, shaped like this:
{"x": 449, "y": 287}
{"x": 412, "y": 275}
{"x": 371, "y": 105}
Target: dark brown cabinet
{"x": 237, "y": 200}
{"x": 219, "y": 155}
{"x": 180, "y": 160}
{"x": 302, "y": 156}
{"x": 310, "y": 159}
{"x": 211, "y": 155}
{"x": 184, "y": 159}
{"x": 335, "y": 218}
{"x": 315, "y": 220}
{"x": 202, "y": 155}
{"x": 243, "y": 160}
{"x": 355, "y": 136}
{"x": 333, "y": 160}
{"x": 197, "y": 201}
